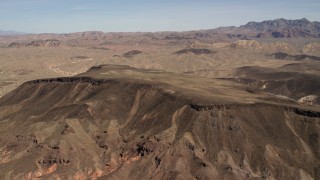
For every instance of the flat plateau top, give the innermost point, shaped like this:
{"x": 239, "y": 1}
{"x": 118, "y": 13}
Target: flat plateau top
{"x": 196, "y": 89}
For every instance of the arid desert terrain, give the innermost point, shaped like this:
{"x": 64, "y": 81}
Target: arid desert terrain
{"x": 227, "y": 103}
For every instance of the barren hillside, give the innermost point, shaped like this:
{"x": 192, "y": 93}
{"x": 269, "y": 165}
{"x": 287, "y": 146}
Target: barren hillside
{"x": 229, "y": 103}
{"x": 110, "y": 125}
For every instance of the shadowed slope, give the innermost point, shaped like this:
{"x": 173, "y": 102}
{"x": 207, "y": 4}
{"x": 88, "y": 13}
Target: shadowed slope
{"x": 282, "y": 81}
{"x": 285, "y": 56}
{"x": 194, "y": 51}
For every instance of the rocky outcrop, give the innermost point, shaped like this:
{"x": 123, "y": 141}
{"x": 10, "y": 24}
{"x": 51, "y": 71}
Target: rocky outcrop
{"x": 310, "y": 99}
{"x": 279, "y": 46}
{"x": 44, "y": 43}
{"x": 15, "y": 45}
{"x": 37, "y": 43}
{"x": 247, "y": 44}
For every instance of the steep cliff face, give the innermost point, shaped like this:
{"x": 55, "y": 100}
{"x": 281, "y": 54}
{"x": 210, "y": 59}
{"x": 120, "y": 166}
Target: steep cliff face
{"x": 82, "y": 127}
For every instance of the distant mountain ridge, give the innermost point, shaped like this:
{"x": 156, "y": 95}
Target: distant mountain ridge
{"x": 280, "y": 24}
{"x": 6, "y": 33}
{"x": 278, "y": 28}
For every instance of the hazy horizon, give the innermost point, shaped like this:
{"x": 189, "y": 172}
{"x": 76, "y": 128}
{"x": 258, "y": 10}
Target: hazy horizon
{"x": 48, "y": 16}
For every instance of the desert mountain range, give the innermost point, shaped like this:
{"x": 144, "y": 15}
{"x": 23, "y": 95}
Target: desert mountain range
{"x": 228, "y": 103}
{"x": 7, "y": 33}
{"x": 278, "y": 28}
